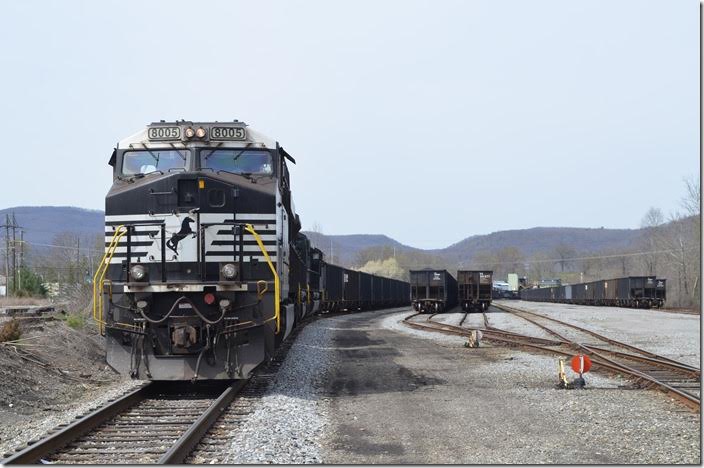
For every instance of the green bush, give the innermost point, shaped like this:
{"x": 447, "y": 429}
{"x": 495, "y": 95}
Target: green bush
{"x": 31, "y": 284}
{"x": 75, "y": 321}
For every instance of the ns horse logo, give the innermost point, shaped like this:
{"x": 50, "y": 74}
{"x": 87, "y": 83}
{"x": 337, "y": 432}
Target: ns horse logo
{"x": 180, "y": 235}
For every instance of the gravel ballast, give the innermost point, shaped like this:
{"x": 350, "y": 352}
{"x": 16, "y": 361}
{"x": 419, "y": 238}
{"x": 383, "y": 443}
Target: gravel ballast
{"x": 676, "y": 336}
{"x": 288, "y": 423}
{"x": 17, "y": 430}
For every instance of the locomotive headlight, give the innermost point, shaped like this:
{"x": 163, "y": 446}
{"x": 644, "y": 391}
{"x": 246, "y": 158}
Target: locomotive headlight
{"x": 229, "y": 271}
{"x": 200, "y": 133}
{"x": 189, "y": 132}
{"x": 138, "y": 272}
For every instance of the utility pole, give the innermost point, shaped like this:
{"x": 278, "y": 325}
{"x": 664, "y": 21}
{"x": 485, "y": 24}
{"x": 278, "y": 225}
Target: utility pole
{"x": 7, "y": 254}
{"x": 14, "y": 253}
{"x": 19, "y": 276}
{"x": 78, "y": 259}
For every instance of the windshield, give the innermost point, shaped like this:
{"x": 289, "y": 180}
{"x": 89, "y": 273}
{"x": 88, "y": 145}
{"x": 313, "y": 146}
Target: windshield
{"x": 238, "y": 161}
{"x": 146, "y": 161}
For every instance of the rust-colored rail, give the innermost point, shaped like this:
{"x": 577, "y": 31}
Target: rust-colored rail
{"x": 678, "y": 375}
{"x": 599, "y": 355}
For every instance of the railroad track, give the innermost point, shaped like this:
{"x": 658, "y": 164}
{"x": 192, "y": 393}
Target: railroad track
{"x": 155, "y": 423}
{"x": 159, "y": 423}
{"x": 648, "y": 370}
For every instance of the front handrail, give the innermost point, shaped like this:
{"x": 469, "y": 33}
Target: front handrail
{"x": 99, "y": 276}
{"x": 277, "y": 292}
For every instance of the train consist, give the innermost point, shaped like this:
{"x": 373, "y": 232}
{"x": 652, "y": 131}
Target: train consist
{"x": 345, "y": 289}
{"x": 632, "y": 291}
{"x": 433, "y": 290}
{"x": 206, "y": 270}
{"x": 474, "y": 289}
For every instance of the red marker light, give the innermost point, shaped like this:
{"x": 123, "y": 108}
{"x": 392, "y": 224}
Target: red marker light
{"x": 209, "y": 298}
{"x": 581, "y": 364}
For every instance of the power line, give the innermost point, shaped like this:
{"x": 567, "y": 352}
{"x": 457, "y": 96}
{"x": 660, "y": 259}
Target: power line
{"x": 573, "y": 259}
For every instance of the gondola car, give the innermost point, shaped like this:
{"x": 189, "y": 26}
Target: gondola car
{"x": 343, "y": 289}
{"x": 205, "y": 270}
{"x": 433, "y": 291}
{"x": 632, "y": 291}
{"x": 474, "y": 289}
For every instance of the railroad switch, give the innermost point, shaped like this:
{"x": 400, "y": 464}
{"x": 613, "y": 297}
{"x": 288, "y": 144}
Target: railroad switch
{"x": 473, "y": 340}
{"x": 578, "y": 383}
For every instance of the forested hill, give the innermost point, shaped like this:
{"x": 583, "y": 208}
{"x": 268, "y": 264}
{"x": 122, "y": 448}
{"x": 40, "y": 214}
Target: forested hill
{"x": 351, "y": 249}
{"x": 41, "y": 225}
{"x": 543, "y": 240}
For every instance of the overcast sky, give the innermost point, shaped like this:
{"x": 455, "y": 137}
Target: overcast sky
{"x": 426, "y": 121}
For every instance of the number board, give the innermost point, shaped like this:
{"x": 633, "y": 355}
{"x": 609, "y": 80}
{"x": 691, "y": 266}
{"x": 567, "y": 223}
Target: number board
{"x": 164, "y": 133}
{"x": 227, "y": 133}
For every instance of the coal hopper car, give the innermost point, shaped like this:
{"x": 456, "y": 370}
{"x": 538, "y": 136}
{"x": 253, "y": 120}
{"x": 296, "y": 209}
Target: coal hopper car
{"x": 474, "y": 289}
{"x": 433, "y": 291}
{"x": 631, "y": 291}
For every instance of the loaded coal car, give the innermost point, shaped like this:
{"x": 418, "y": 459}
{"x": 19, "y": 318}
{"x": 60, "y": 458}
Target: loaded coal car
{"x": 433, "y": 291}
{"x": 474, "y": 289}
{"x": 632, "y": 291}
{"x": 660, "y": 295}
{"x": 343, "y": 289}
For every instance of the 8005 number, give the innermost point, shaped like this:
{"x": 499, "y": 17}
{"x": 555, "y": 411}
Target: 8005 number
{"x": 227, "y": 133}
{"x": 164, "y": 133}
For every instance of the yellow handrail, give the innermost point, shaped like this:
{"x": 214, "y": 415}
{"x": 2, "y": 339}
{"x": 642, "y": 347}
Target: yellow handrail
{"x": 307, "y": 293}
{"x": 277, "y": 293}
{"x": 99, "y": 276}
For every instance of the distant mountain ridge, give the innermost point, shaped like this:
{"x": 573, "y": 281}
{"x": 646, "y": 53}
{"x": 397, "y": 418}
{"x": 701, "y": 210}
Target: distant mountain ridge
{"x": 543, "y": 239}
{"x": 42, "y": 223}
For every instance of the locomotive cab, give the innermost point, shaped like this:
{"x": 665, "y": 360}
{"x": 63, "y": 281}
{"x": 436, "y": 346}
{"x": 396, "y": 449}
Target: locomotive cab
{"x": 198, "y": 223}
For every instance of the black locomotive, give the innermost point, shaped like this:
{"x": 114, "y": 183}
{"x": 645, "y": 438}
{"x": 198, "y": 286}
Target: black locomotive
{"x": 206, "y": 270}
{"x": 632, "y": 291}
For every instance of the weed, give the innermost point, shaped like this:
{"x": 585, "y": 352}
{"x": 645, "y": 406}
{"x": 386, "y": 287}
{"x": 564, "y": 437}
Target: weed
{"x": 75, "y": 321}
{"x": 10, "y": 331}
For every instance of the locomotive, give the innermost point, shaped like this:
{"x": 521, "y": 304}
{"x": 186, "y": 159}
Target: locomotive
{"x": 205, "y": 271}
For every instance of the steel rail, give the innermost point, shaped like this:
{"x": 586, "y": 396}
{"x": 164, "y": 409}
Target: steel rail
{"x": 464, "y": 317}
{"x": 598, "y": 359}
{"x": 176, "y": 454}
{"x": 596, "y": 335}
{"x": 58, "y": 440}
{"x": 187, "y": 442}
{"x": 691, "y": 400}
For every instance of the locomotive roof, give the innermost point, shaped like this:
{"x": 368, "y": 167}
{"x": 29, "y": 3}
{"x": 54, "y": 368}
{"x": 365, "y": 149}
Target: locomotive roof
{"x": 251, "y": 137}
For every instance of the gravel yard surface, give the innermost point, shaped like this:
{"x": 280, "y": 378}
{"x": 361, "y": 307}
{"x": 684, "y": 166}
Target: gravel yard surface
{"x": 676, "y": 336}
{"x": 473, "y": 320}
{"x": 399, "y": 395}
{"x": 289, "y": 422}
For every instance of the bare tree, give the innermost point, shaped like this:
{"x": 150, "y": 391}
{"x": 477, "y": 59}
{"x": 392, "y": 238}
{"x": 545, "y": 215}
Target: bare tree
{"x": 564, "y": 252}
{"x": 651, "y": 238}
{"x": 541, "y": 267}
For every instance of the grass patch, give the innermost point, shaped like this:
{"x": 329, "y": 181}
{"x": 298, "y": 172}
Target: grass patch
{"x": 75, "y": 321}
{"x": 10, "y": 331}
